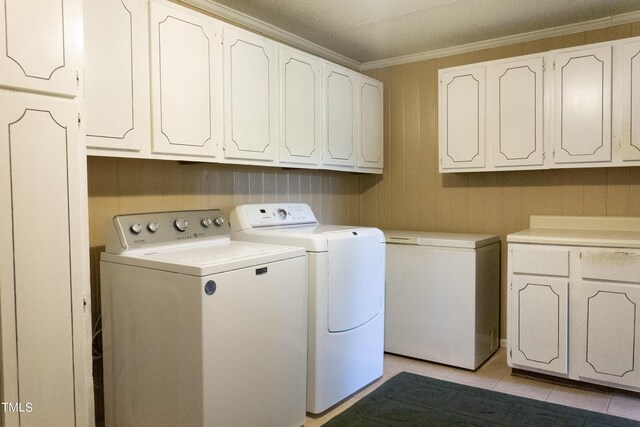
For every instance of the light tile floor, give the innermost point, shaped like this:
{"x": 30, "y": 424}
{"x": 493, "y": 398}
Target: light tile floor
{"x": 495, "y": 375}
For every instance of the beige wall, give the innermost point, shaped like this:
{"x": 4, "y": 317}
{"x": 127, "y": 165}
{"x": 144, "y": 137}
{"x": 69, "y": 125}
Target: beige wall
{"x": 412, "y": 195}
{"x": 120, "y": 186}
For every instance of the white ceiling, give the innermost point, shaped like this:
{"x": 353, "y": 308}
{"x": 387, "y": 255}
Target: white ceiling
{"x": 371, "y": 30}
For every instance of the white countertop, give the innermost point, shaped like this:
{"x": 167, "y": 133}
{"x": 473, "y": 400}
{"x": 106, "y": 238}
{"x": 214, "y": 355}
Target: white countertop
{"x": 580, "y": 231}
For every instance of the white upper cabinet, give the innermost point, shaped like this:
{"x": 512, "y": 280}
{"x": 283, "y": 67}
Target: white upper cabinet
{"x": 582, "y": 105}
{"x": 370, "y": 123}
{"x": 340, "y": 115}
{"x": 300, "y": 108}
{"x": 251, "y": 96}
{"x": 186, "y": 81}
{"x": 515, "y": 112}
{"x": 630, "y": 94}
{"x": 39, "y": 39}
{"x": 116, "y": 74}
{"x": 462, "y": 118}
{"x": 165, "y": 82}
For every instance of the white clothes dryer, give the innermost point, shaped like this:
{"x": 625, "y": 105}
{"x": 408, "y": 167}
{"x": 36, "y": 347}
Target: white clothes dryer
{"x": 199, "y": 330}
{"x": 346, "y": 295}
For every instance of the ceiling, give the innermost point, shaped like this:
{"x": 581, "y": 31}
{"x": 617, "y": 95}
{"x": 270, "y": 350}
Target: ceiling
{"x": 371, "y": 30}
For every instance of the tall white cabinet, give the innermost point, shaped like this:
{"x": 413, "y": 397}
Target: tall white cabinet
{"x": 574, "y": 299}
{"x": 44, "y": 276}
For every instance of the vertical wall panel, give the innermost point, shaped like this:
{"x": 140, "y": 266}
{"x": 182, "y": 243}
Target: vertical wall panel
{"x": 428, "y": 84}
{"x": 397, "y": 145}
{"x": 618, "y": 195}
{"x": 412, "y": 166}
{"x": 572, "y": 191}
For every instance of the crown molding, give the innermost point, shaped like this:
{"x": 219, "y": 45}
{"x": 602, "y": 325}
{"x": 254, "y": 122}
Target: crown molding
{"x": 272, "y": 31}
{"x": 595, "y": 24}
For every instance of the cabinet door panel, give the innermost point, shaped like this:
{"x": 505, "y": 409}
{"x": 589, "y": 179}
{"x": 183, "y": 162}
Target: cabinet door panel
{"x": 583, "y": 106}
{"x": 37, "y": 138}
{"x": 38, "y": 39}
{"x": 371, "y": 123}
{"x": 538, "y": 323}
{"x": 186, "y": 77}
{"x": 341, "y": 136}
{"x": 515, "y": 110}
{"x": 631, "y": 101}
{"x": 609, "y": 328}
{"x": 116, "y": 88}
{"x": 299, "y": 108}
{"x": 462, "y": 119}
{"x": 250, "y": 96}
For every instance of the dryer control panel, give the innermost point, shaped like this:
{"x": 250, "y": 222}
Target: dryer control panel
{"x": 271, "y": 215}
{"x": 141, "y": 231}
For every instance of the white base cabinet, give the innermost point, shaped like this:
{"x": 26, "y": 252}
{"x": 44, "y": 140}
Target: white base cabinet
{"x": 540, "y": 317}
{"x": 574, "y": 301}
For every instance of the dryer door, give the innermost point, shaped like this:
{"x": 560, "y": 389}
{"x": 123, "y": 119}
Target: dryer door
{"x": 356, "y": 278}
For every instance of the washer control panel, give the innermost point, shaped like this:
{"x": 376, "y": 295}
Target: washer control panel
{"x": 274, "y": 214}
{"x": 137, "y": 231}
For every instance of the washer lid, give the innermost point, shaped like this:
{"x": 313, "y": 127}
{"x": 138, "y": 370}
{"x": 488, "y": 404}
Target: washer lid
{"x": 449, "y": 240}
{"x": 206, "y": 259}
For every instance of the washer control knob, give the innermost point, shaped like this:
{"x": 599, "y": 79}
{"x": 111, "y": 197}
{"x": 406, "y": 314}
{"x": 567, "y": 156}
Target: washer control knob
{"x": 206, "y": 222}
{"x": 218, "y": 221}
{"x": 136, "y": 228}
{"x": 152, "y": 227}
{"x": 181, "y": 224}
{"x": 282, "y": 214}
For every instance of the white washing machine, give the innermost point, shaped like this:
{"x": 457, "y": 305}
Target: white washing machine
{"x": 199, "y": 330}
{"x": 346, "y": 295}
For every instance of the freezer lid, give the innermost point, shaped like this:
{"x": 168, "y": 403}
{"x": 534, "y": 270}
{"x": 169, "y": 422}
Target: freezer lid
{"x": 448, "y": 240}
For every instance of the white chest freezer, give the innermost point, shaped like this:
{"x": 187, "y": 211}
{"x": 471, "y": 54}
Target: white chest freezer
{"x": 442, "y": 296}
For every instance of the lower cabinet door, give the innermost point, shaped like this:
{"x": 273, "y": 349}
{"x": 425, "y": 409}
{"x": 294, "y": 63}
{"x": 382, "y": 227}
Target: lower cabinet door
{"x": 538, "y": 322}
{"x": 41, "y": 267}
{"x": 608, "y": 330}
